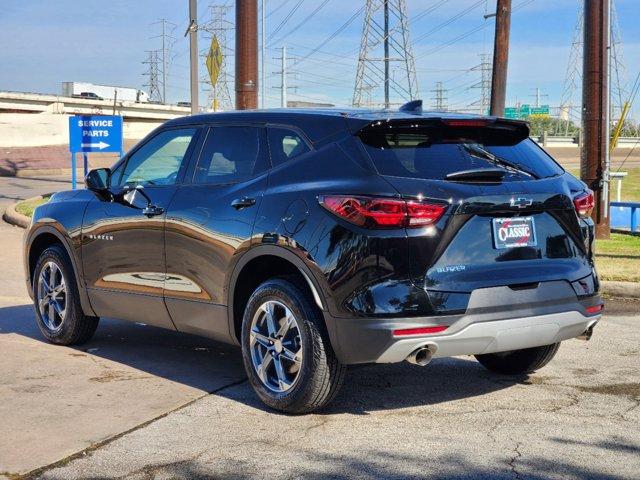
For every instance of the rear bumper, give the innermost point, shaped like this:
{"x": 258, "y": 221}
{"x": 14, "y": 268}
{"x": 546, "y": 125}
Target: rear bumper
{"x": 498, "y": 319}
{"x": 373, "y": 341}
{"x": 496, "y": 336}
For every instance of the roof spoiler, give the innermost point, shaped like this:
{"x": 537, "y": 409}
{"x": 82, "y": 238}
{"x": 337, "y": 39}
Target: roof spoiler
{"x": 491, "y": 130}
{"x": 414, "y": 107}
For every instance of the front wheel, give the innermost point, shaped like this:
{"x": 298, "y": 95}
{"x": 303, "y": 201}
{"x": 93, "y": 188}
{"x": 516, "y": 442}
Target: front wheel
{"x": 515, "y": 362}
{"x": 57, "y": 302}
{"x": 286, "y": 351}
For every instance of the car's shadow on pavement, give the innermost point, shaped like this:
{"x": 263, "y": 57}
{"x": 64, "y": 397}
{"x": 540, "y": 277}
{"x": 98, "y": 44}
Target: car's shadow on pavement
{"x": 209, "y": 365}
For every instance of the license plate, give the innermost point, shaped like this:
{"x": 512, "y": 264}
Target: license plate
{"x": 514, "y": 232}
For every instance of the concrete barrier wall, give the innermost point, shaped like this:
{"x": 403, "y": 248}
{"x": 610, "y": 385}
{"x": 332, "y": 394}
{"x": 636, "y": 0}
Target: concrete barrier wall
{"x": 39, "y": 129}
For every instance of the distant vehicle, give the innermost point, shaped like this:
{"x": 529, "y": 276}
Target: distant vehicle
{"x": 103, "y": 92}
{"x": 88, "y": 95}
{"x": 184, "y": 104}
{"x": 316, "y": 239}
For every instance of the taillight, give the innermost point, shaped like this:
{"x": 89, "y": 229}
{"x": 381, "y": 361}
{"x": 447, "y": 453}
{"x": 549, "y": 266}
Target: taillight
{"x": 595, "y": 309}
{"x": 584, "y": 203}
{"x": 419, "y": 331}
{"x": 372, "y": 212}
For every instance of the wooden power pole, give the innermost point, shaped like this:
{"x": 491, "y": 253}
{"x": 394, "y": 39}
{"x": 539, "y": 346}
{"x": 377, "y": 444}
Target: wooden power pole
{"x": 246, "y": 54}
{"x": 594, "y": 107}
{"x": 500, "y": 58}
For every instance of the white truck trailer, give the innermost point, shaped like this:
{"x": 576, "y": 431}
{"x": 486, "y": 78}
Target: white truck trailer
{"x": 105, "y": 92}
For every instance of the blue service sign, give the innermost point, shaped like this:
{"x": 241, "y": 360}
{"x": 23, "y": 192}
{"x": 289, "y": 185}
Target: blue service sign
{"x": 95, "y": 133}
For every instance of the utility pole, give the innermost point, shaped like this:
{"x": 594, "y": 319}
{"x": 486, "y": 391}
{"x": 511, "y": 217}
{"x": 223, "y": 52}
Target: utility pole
{"x": 246, "y": 54}
{"x": 538, "y": 96}
{"x": 500, "y": 58}
{"x": 594, "y": 108}
{"x": 193, "y": 54}
{"x": 283, "y": 83}
{"x": 386, "y": 54}
{"x": 284, "y": 75}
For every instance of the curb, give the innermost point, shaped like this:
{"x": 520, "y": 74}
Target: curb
{"x": 621, "y": 289}
{"x": 17, "y": 219}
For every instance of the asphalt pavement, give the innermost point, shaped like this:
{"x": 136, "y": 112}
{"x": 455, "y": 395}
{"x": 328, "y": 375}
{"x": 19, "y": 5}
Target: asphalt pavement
{"x": 142, "y": 403}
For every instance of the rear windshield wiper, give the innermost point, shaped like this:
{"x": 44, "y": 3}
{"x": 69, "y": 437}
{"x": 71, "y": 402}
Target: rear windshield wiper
{"x": 479, "y": 152}
{"x": 478, "y": 175}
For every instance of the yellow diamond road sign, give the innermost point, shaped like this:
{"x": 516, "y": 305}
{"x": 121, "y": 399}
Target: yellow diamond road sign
{"x": 214, "y": 61}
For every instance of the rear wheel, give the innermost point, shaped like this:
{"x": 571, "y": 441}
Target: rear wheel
{"x": 57, "y": 302}
{"x": 286, "y": 351}
{"x": 527, "y": 360}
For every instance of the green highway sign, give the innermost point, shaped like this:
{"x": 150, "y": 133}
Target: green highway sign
{"x": 525, "y": 111}
{"x": 542, "y": 110}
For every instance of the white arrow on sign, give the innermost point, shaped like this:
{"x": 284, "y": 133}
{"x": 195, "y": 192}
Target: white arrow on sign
{"x": 100, "y": 146}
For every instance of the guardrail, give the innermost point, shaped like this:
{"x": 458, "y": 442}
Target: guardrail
{"x": 633, "y": 209}
{"x": 623, "y": 142}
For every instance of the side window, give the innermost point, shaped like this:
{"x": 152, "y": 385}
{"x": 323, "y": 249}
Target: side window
{"x": 284, "y": 145}
{"x": 230, "y": 154}
{"x": 158, "y": 161}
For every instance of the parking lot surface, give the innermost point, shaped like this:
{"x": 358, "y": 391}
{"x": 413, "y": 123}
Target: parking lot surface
{"x": 138, "y": 402}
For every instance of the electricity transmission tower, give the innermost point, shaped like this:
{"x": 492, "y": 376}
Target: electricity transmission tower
{"x": 153, "y": 83}
{"x": 486, "y": 69}
{"x": 569, "y": 107}
{"x": 439, "y": 99}
{"x": 386, "y": 65}
{"x": 217, "y": 27}
{"x": 167, "y": 45}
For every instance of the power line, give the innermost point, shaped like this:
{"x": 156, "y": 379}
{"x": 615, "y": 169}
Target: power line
{"x": 285, "y": 20}
{"x": 340, "y": 29}
{"x": 303, "y": 22}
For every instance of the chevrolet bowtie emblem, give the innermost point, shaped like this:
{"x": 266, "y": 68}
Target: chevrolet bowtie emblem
{"x": 521, "y": 202}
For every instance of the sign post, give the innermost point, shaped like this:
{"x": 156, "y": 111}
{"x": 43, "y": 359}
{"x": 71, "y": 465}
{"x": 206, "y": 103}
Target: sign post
{"x": 93, "y": 133}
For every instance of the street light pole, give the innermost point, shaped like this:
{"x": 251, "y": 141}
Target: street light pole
{"x": 500, "y": 58}
{"x": 193, "y": 54}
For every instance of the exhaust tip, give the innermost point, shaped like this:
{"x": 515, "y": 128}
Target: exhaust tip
{"x": 588, "y": 333}
{"x": 421, "y": 356}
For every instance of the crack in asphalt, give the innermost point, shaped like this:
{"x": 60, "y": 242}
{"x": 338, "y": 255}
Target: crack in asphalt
{"x": 93, "y": 448}
{"x": 513, "y": 459}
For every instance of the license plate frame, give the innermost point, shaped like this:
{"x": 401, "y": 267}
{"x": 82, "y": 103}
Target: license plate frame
{"x": 515, "y": 234}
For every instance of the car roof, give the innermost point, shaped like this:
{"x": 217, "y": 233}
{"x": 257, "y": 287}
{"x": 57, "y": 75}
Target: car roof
{"x": 316, "y": 123}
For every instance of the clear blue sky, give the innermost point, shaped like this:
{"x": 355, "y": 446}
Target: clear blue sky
{"x": 46, "y": 42}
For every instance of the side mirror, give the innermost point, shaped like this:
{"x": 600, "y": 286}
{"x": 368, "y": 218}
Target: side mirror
{"x": 98, "y": 180}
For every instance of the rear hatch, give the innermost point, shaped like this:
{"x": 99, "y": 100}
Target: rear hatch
{"x": 510, "y": 220}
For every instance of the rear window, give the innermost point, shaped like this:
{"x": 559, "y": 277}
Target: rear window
{"x": 434, "y": 153}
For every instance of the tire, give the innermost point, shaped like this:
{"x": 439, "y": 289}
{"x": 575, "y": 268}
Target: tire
{"x": 516, "y": 362}
{"x": 307, "y": 385}
{"x": 62, "y": 321}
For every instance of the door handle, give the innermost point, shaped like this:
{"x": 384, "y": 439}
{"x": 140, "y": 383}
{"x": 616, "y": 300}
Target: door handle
{"x": 152, "y": 211}
{"x": 244, "y": 202}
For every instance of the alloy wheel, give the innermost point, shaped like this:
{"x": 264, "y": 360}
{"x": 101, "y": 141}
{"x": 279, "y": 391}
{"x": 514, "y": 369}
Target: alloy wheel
{"x": 276, "y": 347}
{"x": 52, "y": 296}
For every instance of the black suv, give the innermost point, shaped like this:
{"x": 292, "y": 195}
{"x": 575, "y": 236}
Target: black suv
{"x": 317, "y": 239}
